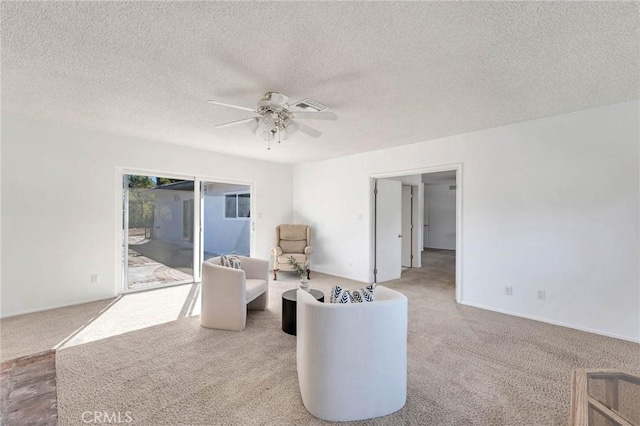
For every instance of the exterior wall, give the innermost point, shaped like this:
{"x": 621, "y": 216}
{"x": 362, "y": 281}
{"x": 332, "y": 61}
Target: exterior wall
{"x": 169, "y": 215}
{"x": 222, "y": 235}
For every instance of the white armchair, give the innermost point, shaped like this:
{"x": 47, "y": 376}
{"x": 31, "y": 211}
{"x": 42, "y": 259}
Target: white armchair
{"x": 352, "y": 358}
{"x": 291, "y": 241}
{"x": 228, "y": 292}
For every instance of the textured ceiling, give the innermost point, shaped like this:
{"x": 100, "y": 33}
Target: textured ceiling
{"x": 395, "y": 72}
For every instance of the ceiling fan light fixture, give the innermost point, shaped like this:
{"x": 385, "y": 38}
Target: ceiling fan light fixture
{"x": 267, "y": 135}
{"x": 266, "y": 123}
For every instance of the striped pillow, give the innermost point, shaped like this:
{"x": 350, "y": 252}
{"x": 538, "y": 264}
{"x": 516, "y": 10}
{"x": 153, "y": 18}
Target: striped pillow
{"x": 231, "y": 261}
{"x": 340, "y": 295}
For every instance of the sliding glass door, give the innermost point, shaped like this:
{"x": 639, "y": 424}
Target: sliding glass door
{"x": 159, "y": 217}
{"x": 171, "y": 224}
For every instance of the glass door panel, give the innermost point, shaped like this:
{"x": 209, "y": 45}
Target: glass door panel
{"x": 159, "y": 231}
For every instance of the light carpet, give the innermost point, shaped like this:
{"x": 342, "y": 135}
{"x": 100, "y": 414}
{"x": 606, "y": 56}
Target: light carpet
{"x": 466, "y": 366}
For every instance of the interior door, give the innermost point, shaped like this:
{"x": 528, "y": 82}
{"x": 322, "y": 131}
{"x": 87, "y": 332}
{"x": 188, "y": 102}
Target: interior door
{"x": 407, "y": 228}
{"x": 388, "y": 230}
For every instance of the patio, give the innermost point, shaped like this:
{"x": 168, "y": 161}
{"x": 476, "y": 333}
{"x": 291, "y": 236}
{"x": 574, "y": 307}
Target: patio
{"x": 152, "y": 262}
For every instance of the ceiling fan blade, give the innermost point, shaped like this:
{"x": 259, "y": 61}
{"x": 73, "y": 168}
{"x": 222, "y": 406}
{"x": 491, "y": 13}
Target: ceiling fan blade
{"x": 234, "y": 123}
{"x": 322, "y": 115}
{"x": 232, "y": 106}
{"x": 309, "y": 130}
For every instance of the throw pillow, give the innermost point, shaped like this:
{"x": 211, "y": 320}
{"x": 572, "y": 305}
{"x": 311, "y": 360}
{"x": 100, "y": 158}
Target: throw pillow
{"x": 235, "y": 260}
{"x": 366, "y": 294}
{"x": 231, "y": 261}
{"x": 340, "y": 295}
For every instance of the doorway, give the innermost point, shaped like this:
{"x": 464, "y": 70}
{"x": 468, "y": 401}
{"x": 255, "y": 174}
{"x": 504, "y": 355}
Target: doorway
{"x": 439, "y": 248}
{"x": 387, "y": 227}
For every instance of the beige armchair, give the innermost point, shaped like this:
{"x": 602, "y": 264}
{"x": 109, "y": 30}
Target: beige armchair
{"x": 228, "y": 292}
{"x": 291, "y": 240}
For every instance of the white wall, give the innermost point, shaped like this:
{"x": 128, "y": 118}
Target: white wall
{"x": 441, "y": 202}
{"x": 59, "y": 210}
{"x": 565, "y": 221}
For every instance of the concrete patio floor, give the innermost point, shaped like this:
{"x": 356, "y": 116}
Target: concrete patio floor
{"x": 154, "y": 262}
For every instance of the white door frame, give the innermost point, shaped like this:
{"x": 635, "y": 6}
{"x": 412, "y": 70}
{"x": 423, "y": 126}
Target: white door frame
{"x": 418, "y": 221}
{"x": 457, "y": 167}
{"x": 410, "y": 225}
{"x": 121, "y": 241}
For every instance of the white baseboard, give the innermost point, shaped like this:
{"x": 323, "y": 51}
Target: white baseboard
{"x": 549, "y": 321}
{"x": 66, "y": 305}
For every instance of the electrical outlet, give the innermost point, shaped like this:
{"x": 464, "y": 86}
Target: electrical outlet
{"x": 95, "y": 278}
{"x": 541, "y": 295}
{"x": 508, "y": 290}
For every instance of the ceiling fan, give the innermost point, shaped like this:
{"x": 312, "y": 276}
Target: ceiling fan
{"x": 274, "y": 117}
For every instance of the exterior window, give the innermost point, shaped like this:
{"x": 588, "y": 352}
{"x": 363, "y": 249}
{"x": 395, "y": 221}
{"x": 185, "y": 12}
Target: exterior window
{"x": 237, "y": 205}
